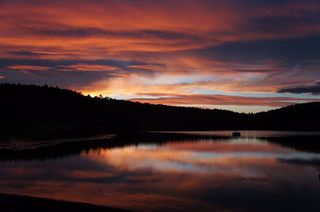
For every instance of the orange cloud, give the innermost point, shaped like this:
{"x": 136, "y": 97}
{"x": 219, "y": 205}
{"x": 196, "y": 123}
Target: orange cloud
{"x": 87, "y": 67}
{"x": 134, "y": 26}
{"x": 28, "y": 68}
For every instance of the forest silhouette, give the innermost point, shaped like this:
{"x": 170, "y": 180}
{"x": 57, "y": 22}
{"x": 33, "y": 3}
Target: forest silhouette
{"x": 43, "y": 111}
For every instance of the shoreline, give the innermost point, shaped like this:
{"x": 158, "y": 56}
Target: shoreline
{"x": 17, "y": 202}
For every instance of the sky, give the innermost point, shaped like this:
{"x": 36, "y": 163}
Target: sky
{"x": 240, "y": 55}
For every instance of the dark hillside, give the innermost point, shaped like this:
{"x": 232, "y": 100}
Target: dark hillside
{"x": 295, "y": 117}
{"x": 44, "y": 111}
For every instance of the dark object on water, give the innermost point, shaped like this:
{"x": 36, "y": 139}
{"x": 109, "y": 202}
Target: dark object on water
{"x": 236, "y": 134}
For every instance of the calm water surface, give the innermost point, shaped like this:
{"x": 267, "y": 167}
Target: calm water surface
{"x": 247, "y": 173}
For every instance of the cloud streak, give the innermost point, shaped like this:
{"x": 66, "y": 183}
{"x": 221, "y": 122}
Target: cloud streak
{"x": 214, "y": 100}
{"x": 313, "y": 89}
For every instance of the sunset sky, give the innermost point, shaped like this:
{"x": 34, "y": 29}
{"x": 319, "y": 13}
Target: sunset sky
{"x": 241, "y": 55}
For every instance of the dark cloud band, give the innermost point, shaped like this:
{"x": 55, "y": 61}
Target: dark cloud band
{"x": 313, "y": 89}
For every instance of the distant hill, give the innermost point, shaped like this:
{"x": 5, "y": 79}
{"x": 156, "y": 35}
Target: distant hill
{"x": 304, "y": 116}
{"x": 43, "y": 110}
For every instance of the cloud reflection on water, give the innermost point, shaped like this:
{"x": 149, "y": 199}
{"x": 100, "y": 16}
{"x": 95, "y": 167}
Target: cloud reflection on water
{"x": 207, "y": 175}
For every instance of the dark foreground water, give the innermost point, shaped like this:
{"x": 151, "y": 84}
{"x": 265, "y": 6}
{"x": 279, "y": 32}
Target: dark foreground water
{"x": 248, "y": 173}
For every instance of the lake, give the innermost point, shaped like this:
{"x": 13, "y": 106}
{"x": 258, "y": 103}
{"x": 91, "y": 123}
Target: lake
{"x": 257, "y": 171}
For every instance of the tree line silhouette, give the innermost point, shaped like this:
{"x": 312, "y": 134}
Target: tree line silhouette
{"x": 45, "y": 111}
